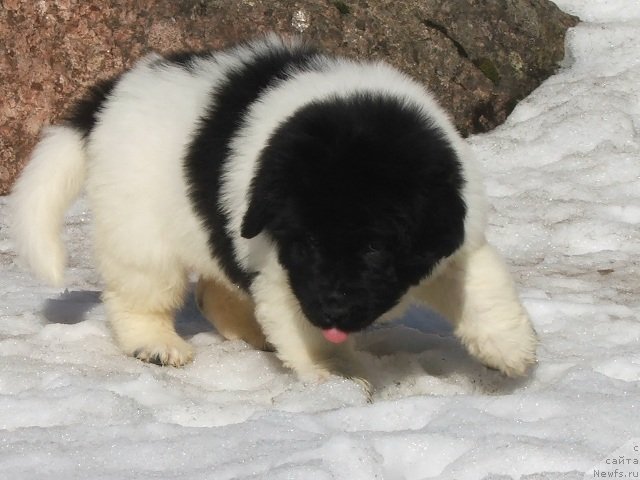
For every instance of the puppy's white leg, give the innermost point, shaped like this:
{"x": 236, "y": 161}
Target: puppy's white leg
{"x": 300, "y": 345}
{"x": 141, "y": 305}
{"x": 475, "y": 291}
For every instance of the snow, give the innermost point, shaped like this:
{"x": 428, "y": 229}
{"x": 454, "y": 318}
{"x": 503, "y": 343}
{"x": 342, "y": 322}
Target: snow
{"x": 563, "y": 175}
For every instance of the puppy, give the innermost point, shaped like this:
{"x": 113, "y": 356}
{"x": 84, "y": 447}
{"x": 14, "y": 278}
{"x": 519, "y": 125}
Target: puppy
{"x": 319, "y": 194}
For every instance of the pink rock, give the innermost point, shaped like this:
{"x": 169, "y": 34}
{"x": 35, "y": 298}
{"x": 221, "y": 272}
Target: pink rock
{"x": 478, "y": 57}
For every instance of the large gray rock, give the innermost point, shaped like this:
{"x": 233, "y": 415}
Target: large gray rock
{"x": 478, "y": 57}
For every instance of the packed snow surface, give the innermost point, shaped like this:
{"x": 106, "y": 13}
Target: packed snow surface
{"x": 563, "y": 175}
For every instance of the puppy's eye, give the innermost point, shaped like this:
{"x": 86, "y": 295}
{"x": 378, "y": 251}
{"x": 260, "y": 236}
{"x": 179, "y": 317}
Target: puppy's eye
{"x": 311, "y": 240}
{"x": 375, "y": 246}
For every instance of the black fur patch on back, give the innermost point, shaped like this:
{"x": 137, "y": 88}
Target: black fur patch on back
{"x": 209, "y": 149}
{"x": 184, "y": 59}
{"x": 84, "y": 113}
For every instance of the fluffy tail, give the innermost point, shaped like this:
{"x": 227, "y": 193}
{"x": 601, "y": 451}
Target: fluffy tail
{"x": 49, "y": 183}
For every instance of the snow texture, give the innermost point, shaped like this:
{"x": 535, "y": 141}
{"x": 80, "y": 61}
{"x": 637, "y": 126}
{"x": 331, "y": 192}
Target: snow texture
{"x": 563, "y": 175}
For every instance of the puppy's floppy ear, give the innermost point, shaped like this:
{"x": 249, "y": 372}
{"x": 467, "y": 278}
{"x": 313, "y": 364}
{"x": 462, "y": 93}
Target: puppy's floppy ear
{"x": 255, "y": 219}
{"x": 265, "y": 198}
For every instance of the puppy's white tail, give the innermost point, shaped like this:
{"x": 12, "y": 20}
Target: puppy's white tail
{"x": 49, "y": 183}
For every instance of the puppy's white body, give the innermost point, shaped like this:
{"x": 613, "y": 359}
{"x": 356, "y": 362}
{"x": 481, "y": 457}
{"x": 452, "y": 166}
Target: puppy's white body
{"x": 148, "y": 237}
{"x": 150, "y": 219}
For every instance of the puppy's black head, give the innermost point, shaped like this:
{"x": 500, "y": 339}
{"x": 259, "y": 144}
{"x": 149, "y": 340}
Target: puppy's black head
{"x": 362, "y": 197}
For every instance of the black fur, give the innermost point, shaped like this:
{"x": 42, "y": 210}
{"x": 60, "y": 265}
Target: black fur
{"x": 209, "y": 150}
{"x": 185, "y": 59}
{"x": 363, "y": 198}
{"x": 84, "y": 113}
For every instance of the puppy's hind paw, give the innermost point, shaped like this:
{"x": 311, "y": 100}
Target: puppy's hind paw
{"x": 173, "y": 352}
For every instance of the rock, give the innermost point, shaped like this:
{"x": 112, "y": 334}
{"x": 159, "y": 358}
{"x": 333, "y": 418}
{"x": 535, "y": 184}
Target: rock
{"x": 478, "y": 57}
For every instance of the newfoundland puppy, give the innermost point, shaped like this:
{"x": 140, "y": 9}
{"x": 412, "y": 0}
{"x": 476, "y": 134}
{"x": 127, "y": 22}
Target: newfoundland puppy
{"x": 313, "y": 195}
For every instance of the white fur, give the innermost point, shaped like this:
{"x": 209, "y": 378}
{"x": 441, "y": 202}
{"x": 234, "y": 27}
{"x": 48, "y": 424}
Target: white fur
{"x": 147, "y": 236}
{"x": 298, "y": 343}
{"x": 137, "y": 188}
{"x": 50, "y": 181}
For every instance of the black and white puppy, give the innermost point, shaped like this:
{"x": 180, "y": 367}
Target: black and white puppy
{"x": 331, "y": 193}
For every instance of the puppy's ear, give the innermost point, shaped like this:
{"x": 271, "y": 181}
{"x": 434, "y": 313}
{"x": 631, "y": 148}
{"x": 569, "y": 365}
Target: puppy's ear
{"x": 265, "y": 200}
{"x": 255, "y": 219}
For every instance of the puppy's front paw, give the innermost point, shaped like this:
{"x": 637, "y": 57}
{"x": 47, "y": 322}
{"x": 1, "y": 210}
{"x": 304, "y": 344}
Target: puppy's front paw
{"x": 321, "y": 375}
{"x": 365, "y": 385}
{"x": 349, "y": 368}
{"x": 511, "y": 350}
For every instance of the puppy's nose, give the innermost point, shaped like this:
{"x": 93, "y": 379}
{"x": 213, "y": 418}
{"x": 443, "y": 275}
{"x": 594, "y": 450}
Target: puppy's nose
{"x": 336, "y": 297}
{"x": 336, "y": 308}
{"x": 334, "y": 313}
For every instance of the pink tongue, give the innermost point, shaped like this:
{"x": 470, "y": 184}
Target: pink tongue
{"x": 334, "y": 335}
